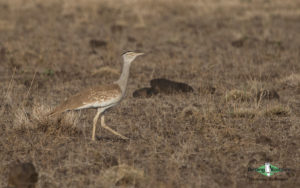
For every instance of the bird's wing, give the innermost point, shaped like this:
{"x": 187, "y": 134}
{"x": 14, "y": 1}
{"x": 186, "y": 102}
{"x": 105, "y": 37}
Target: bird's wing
{"x": 91, "y": 97}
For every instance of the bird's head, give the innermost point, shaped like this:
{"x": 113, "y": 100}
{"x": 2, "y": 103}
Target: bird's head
{"x": 128, "y": 57}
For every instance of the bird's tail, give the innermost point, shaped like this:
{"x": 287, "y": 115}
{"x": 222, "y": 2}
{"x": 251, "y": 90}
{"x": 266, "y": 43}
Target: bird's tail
{"x": 55, "y": 112}
{"x": 51, "y": 114}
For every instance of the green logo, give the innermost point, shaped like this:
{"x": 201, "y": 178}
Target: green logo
{"x": 267, "y": 169}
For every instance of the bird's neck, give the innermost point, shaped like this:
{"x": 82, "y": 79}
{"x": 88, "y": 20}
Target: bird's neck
{"x": 122, "y": 82}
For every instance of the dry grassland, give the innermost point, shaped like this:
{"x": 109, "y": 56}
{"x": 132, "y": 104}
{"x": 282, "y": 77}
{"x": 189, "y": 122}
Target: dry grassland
{"x": 242, "y": 57}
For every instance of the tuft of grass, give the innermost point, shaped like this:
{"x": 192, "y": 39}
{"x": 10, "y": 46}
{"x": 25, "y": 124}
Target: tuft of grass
{"x": 30, "y": 119}
{"x": 37, "y": 120}
{"x": 238, "y": 95}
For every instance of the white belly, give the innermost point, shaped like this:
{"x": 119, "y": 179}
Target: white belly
{"x": 97, "y": 104}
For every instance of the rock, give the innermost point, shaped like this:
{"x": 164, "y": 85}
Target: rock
{"x": 144, "y": 92}
{"x": 162, "y": 85}
{"x": 22, "y": 175}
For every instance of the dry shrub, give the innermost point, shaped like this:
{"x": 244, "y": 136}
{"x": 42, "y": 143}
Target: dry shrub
{"x": 39, "y": 120}
{"x": 26, "y": 119}
{"x": 238, "y": 95}
{"x": 123, "y": 175}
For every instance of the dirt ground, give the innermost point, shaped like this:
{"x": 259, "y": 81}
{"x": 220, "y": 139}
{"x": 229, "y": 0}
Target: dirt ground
{"x": 242, "y": 57}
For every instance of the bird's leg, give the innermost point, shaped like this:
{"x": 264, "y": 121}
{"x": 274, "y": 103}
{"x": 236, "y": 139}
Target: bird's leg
{"x": 111, "y": 130}
{"x": 95, "y": 122}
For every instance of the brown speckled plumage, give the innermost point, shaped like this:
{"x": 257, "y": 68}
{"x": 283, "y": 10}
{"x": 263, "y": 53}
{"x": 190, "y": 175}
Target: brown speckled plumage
{"x": 101, "y": 97}
{"x": 91, "y": 95}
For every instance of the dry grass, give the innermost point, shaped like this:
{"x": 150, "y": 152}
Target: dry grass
{"x": 228, "y": 51}
{"x": 123, "y": 175}
{"x": 238, "y": 96}
{"x": 106, "y": 71}
{"x": 245, "y": 112}
{"x": 278, "y": 110}
{"x": 292, "y": 80}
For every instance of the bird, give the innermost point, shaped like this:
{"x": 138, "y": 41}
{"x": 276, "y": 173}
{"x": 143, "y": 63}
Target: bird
{"x": 101, "y": 97}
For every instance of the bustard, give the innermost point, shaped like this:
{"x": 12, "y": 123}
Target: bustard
{"x": 101, "y": 97}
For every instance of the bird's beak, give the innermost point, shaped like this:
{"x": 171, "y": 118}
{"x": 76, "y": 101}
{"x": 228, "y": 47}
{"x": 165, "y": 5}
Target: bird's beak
{"x": 138, "y": 54}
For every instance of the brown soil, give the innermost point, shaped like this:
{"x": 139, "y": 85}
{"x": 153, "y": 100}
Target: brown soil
{"x": 227, "y": 50}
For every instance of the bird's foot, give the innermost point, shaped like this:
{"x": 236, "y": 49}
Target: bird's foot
{"x": 114, "y": 132}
